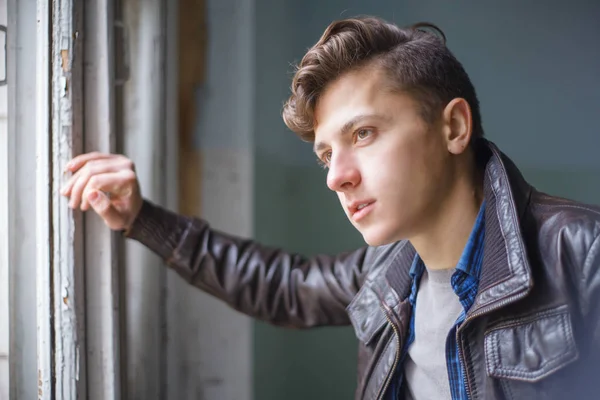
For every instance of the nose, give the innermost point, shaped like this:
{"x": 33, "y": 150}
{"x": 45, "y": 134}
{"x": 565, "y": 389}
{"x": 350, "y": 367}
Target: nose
{"x": 344, "y": 173}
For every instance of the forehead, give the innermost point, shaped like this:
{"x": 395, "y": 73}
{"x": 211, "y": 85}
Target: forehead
{"x": 352, "y": 90}
{"x": 365, "y": 91}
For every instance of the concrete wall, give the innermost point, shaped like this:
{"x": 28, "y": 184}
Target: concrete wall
{"x": 535, "y": 66}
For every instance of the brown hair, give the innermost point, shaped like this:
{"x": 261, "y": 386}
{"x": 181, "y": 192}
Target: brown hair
{"x": 417, "y": 61}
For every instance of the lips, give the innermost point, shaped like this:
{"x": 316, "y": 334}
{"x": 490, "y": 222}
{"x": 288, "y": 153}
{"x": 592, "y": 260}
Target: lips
{"x": 359, "y": 207}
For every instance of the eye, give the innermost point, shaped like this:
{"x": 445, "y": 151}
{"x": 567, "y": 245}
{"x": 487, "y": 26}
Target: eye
{"x": 362, "y": 134}
{"x": 325, "y": 159}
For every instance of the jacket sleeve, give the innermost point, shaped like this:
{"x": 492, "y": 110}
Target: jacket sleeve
{"x": 266, "y": 283}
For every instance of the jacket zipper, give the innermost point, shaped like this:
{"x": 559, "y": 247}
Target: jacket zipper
{"x": 463, "y": 366}
{"x": 484, "y": 310}
{"x": 385, "y": 307}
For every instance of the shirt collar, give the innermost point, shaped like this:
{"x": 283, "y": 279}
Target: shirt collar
{"x": 469, "y": 261}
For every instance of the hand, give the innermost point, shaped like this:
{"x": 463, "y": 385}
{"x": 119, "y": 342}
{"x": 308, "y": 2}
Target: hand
{"x": 107, "y": 183}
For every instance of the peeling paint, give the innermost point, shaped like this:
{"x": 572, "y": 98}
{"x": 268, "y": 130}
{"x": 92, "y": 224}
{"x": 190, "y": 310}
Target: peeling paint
{"x": 40, "y": 384}
{"x": 65, "y": 60}
{"x": 65, "y": 295}
{"x": 64, "y": 87}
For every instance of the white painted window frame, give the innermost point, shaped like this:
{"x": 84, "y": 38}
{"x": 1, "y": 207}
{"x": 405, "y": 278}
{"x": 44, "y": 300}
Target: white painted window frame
{"x": 72, "y": 335}
{"x": 20, "y": 177}
{"x": 4, "y": 286}
{"x": 64, "y": 286}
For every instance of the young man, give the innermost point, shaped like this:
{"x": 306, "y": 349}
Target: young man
{"x": 473, "y": 284}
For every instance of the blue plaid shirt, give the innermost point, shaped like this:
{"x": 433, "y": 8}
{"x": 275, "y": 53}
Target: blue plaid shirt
{"x": 465, "y": 282}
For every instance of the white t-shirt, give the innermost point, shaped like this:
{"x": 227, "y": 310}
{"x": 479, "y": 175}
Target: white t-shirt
{"x": 437, "y": 309}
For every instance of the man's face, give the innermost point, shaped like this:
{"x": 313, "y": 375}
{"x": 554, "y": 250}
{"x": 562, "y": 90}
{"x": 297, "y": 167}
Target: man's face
{"x": 390, "y": 168}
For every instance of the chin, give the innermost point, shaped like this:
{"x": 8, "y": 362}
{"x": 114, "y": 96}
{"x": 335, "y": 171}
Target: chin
{"x": 382, "y": 234}
{"x": 377, "y": 237}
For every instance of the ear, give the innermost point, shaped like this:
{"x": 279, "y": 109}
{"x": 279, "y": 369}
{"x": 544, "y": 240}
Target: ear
{"x": 458, "y": 125}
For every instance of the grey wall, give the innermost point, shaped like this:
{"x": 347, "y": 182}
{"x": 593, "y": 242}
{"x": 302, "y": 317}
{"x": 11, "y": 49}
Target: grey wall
{"x": 210, "y": 353}
{"x": 293, "y": 210}
{"x": 535, "y": 65}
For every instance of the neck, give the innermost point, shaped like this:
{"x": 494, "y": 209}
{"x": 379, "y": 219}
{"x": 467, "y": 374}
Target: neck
{"x": 442, "y": 241}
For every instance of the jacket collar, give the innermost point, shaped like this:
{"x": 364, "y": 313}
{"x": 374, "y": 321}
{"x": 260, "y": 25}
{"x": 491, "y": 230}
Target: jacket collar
{"x": 505, "y": 273}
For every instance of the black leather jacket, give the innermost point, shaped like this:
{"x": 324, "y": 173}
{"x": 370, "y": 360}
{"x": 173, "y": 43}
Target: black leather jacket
{"x": 532, "y": 333}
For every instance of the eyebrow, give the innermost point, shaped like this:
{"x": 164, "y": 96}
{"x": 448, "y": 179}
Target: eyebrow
{"x": 348, "y": 127}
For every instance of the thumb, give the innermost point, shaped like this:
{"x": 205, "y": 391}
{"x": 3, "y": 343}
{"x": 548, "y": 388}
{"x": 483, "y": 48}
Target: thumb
{"x": 102, "y": 206}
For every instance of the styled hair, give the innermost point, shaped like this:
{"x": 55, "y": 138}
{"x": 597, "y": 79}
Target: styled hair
{"x": 415, "y": 59}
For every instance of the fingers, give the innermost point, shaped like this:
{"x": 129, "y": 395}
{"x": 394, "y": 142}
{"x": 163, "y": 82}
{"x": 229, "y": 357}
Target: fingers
{"x": 81, "y": 169}
{"x": 94, "y": 159}
{"x": 108, "y": 184}
{"x": 81, "y": 160}
{"x": 77, "y": 183}
{"x": 119, "y": 184}
{"x": 103, "y": 207}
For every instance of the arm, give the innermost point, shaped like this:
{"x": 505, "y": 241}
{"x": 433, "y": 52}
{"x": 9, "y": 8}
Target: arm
{"x": 265, "y": 283}
{"x": 262, "y": 282}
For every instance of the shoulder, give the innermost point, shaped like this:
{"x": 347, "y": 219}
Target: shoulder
{"x": 565, "y": 220}
{"x": 567, "y": 239}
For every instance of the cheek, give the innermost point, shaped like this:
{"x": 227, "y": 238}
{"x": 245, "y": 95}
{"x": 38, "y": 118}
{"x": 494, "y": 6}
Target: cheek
{"x": 401, "y": 174}
{"x": 426, "y": 178}
{"x": 342, "y": 200}
{"x": 393, "y": 166}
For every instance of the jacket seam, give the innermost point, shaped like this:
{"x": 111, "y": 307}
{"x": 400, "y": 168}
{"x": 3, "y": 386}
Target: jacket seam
{"x": 507, "y": 388}
{"x": 533, "y": 316}
{"x": 574, "y": 206}
{"x": 380, "y": 360}
{"x": 545, "y": 368}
